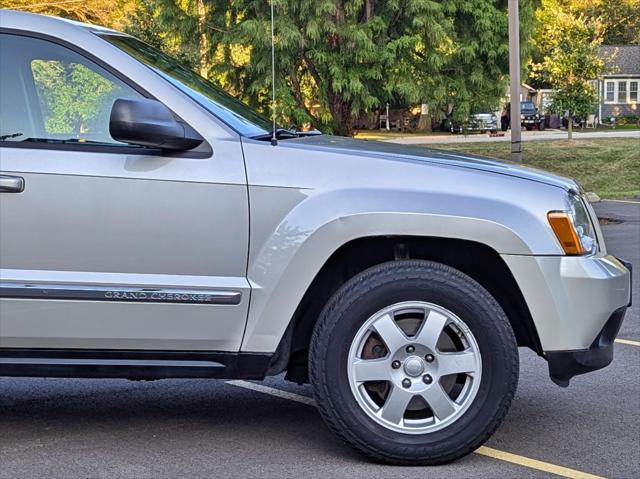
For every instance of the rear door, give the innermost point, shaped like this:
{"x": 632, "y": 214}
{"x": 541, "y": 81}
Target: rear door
{"x": 105, "y": 245}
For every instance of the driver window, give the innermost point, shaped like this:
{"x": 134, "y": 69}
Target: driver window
{"x": 60, "y": 95}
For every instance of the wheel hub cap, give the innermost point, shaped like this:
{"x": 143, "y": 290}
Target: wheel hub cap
{"x": 414, "y": 366}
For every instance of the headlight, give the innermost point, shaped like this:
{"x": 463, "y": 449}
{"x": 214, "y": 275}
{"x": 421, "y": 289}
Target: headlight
{"x": 573, "y": 228}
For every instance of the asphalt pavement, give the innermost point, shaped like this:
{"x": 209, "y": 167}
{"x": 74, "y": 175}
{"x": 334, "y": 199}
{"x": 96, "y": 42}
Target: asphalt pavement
{"x": 59, "y": 428}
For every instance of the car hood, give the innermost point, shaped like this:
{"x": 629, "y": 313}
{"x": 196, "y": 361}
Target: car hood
{"x": 409, "y": 153}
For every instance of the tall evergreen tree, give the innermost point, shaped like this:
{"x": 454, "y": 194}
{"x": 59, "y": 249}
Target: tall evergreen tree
{"x": 337, "y": 59}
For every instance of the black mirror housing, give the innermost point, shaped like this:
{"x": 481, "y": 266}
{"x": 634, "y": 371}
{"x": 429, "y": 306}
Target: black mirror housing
{"x": 148, "y": 122}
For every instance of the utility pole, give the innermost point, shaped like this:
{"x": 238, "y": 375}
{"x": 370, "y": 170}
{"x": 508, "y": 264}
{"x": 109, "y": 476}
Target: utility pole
{"x": 514, "y": 76}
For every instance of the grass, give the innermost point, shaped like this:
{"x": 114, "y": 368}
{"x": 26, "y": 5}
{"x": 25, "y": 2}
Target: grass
{"x": 609, "y": 167}
{"x": 390, "y": 135}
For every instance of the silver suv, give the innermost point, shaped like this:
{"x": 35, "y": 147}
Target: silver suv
{"x": 149, "y": 229}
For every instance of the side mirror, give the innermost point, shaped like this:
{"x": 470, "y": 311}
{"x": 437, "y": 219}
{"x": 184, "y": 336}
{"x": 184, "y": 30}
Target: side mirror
{"x": 149, "y": 123}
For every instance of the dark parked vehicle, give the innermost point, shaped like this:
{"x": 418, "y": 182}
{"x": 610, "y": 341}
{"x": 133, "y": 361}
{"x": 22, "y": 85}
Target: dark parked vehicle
{"x": 530, "y": 117}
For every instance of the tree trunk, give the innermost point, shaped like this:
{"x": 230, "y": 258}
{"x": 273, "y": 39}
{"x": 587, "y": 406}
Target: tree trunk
{"x": 570, "y": 127}
{"x": 341, "y": 112}
{"x": 203, "y": 40}
{"x": 424, "y": 123}
{"x": 368, "y": 9}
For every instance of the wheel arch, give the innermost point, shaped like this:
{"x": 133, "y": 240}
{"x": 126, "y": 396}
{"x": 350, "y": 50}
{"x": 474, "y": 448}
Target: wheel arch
{"x": 479, "y": 261}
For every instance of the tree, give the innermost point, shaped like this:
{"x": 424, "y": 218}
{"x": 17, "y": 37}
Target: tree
{"x": 568, "y": 44}
{"x": 620, "y": 19}
{"x": 337, "y": 59}
{"x": 72, "y": 97}
{"x": 110, "y": 13}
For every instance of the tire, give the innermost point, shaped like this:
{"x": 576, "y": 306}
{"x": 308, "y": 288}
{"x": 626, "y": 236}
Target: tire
{"x": 541, "y": 126}
{"x": 393, "y": 285}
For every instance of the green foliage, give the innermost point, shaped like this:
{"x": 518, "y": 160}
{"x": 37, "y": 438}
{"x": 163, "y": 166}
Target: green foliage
{"x": 620, "y": 19}
{"x": 623, "y": 120}
{"x": 337, "y": 59}
{"x": 568, "y": 45}
{"x": 101, "y": 12}
{"x": 71, "y": 96}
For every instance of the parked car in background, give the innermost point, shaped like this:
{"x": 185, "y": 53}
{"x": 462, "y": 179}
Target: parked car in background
{"x": 151, "y": 226}
{"x": 480, "y": 122}
{"x": 530, "y": 117}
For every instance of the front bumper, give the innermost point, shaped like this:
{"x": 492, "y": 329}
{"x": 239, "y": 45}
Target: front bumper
{"x": 577, "y": 304}
{"x": 563, "y": 365}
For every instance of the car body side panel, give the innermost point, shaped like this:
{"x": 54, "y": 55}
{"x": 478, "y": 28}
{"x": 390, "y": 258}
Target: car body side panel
{"x": 297, "y": 225}
{"x": 113, "y": 219}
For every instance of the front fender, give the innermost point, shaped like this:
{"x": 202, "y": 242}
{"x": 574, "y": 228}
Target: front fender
{"x": 311, "y": 226}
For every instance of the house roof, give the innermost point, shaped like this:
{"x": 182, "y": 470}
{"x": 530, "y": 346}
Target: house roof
{"x": 623, "y": 59}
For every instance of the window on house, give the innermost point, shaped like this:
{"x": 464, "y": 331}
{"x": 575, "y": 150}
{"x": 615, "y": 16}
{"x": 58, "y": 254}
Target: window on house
{"x": 633, "y": 91}
{"x": 610, "y": 91}
{"x": 622, "y": 92}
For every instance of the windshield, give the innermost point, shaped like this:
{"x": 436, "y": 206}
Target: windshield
{"x": 230, "y": 110}
{"x": 527, "y": 105}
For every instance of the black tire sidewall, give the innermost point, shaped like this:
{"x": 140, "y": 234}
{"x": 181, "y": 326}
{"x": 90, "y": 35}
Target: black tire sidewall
{"x": 468, "y": 301}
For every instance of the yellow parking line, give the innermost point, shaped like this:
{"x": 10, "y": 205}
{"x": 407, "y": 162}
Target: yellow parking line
{"x": 628, "y": 342}
{"x": 534, "y": 464}
{"x": 482, "y": 450}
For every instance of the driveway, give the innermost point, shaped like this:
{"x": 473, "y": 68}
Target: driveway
{"x": 61, "y": 428}
{"x": 526, "y": 136}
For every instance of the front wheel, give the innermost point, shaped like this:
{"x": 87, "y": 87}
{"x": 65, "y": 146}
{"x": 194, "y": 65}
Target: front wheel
{"x": 413, "y": 362}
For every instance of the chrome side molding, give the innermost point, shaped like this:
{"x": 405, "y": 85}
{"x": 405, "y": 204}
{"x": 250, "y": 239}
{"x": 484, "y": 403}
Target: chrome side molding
{"x": 121, "y": 294}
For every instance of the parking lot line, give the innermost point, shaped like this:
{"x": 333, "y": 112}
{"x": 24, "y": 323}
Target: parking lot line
{"x": 628, "y": 342}
{"x": 482, "y": 450}
{"x": 274, "y": 392}
{"x": 534, "y": 464}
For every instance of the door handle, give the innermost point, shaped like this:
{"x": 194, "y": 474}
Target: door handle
{"x": 11, "y": 184}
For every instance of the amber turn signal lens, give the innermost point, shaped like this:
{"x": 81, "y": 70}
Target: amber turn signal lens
{"x": 566, "y": 233}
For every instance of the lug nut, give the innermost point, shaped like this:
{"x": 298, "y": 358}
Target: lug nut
{"x": 396, "y": 364}
{"x": 410, "y": 349}
{"x": 427, "y": 379}
{"x": 429, "y": 358}
{"x": 406, "y": 383}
